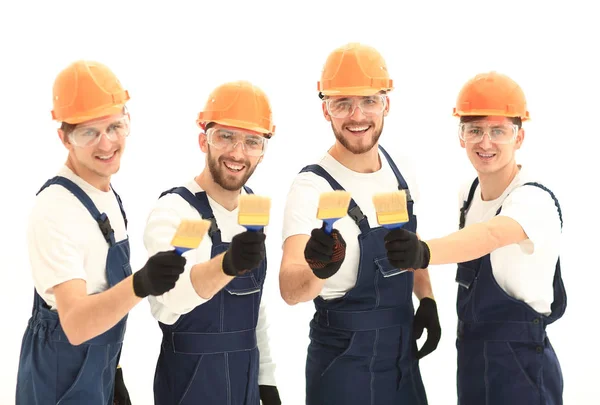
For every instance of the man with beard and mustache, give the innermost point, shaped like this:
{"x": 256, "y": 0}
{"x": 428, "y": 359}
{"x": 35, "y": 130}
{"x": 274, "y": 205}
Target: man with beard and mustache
{"x": 507, "y": 250}
{"x": 215, "y": 347}
{"x": 363, "y": 335}
{"x": 79, "y": 252}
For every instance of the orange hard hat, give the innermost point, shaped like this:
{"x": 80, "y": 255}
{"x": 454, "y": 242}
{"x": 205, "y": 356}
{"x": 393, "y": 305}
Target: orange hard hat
{"x": 491, "y": 94}
{"x": 86, "y": 90}
{"x": 238, "y": 104}
{"x": 354, "y": 70}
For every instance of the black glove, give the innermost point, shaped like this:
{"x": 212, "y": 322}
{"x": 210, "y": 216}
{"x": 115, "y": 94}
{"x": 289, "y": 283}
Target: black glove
{"x": 269, "y": 395}
{"x": 121, "y": 396}
{"x": 325, "y": 253}
{"x": 405, "y": 250}
{"x": 159, "y": 274}
{"x": 246, "y": 251}
{"x": 427, "y": 318}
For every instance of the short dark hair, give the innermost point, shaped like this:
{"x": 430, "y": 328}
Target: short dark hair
{"x": 470, "y": 118}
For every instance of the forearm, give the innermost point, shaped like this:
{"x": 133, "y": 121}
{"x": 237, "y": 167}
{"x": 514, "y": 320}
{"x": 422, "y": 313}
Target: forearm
{"x": 470, "y": 243}
{"x": 422, "y": 284}
{"x": 208, "y": 278}
{"x": 298, "y": 283}
{"x": 89, "y": 316}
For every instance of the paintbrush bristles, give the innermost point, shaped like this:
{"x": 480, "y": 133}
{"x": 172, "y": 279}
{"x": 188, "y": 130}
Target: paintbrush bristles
{"x": 190, "y": 232}
{"x": 254, "y": 210}
{"x": 333, "y": 204}
{"x": 391, "y": 207}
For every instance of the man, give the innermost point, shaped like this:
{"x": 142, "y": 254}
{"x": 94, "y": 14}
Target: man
{"x": 215, "y": 346}
{"x": 507, "y": 250}
{"x": 79, "y": 251}
{"x": 363, "y": 347}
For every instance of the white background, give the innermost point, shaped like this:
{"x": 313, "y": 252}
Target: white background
{"x": 169, "y": 57}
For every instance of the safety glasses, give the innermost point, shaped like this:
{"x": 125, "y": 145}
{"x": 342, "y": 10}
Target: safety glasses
{"x": 90, "y": 134}
{"x": 498, "y": 132}
{"x": 344, "y": 107}
{"x": 252, "y": 145}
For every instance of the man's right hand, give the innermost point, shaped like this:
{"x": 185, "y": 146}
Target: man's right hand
{"x": 325, "y": 253}
{"x": 246, "y": 251}
{"x": 159, "y": 274}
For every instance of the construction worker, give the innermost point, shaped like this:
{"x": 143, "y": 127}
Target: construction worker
{"x": 507, "y": 249}
{"x": 79, "y": 251}
{"x": 363, "y": 346}
{"x": 215, "y": 347}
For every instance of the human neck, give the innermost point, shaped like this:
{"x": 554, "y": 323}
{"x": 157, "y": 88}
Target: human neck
{"x": 225, "y": 198}
{"x": 493, "y": 184}
{"x": 100, "y": 182}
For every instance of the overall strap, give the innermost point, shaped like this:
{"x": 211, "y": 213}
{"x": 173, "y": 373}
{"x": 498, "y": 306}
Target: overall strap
{"x": 467, "y": 203}
{"x": 100, "y": 218}
{"x": 200, "y": 202}
{"x": 354, "y": 210}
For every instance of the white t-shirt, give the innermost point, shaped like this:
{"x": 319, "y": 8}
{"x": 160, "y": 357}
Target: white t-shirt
{"x": 303, "y": 201}
{"x": 525, "y": 270}
{"x": 182, "y": 299}
{"x": 65, "y": 241}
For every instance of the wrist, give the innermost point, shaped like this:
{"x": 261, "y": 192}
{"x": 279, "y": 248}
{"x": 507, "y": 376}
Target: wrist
{"x": 227, "y": 264}
{"x": 426, "y": 255}
{"x": 139, "y": 288}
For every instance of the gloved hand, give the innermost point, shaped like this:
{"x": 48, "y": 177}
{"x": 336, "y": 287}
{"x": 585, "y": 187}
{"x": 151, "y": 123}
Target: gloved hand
{"x": 121, "y": 396}
{"x": 426, "y": 317}
{"x": 159, "y": 274}
{"x": 269, "y": 395}
{"x": 405, "y": 250}
{"x": 246, "y": 251}
{"x": 325, "y": 253}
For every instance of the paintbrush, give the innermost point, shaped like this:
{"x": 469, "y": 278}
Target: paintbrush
{"x": 391, "y": 209}
{"x": 333, "y": 205}
{"x": 189, "y": 234}
{"x": 254, "y": 211}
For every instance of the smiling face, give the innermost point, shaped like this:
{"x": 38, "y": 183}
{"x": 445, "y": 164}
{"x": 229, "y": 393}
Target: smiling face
{"x": 228, "y": 154}
{"x": 490, "y": 142}
{"x": 357, "y": 121}
{"x": 96, "y": 146}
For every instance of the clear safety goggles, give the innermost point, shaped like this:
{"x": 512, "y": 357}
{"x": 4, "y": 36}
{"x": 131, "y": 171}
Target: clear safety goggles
{"x": 344, "y": 107}
{"x": 252, "y": 145}
{"x": 90, "y": 134}
{"x": 498, "y": 132}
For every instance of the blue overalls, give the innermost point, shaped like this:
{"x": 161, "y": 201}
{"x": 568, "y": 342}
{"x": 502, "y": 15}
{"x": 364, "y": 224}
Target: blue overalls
{"x": 362, "y": 349}
{"x": 51, "y": 370}
{"x": 210, "y": 355}
{"x": 504, "y": 354}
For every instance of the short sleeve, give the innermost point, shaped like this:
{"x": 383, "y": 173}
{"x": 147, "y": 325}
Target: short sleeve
{"x": 54, "y": 247}
{"x": 535, "y": 210}
{"x": 300, "y": 212}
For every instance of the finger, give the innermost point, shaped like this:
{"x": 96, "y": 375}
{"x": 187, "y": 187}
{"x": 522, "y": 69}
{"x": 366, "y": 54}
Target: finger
{"x": 396, "y": 245}
{"x": 398, "y": 257}
{"x": 315, "y": 246}
{"x": 252, "y": 248}
{"x": 253, "y": 237}
{"x": 397, "y": 234}
{"x": 320, "y": 236}
{"x": 320, "y": 257}
{"x": 174, "y": 270}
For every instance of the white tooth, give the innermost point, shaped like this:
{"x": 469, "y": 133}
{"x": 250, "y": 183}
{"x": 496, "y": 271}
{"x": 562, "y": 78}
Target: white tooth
{"x": 105, "y": 157}
{"x": 234, "y": 166}
{"x": 357, "y": 129}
